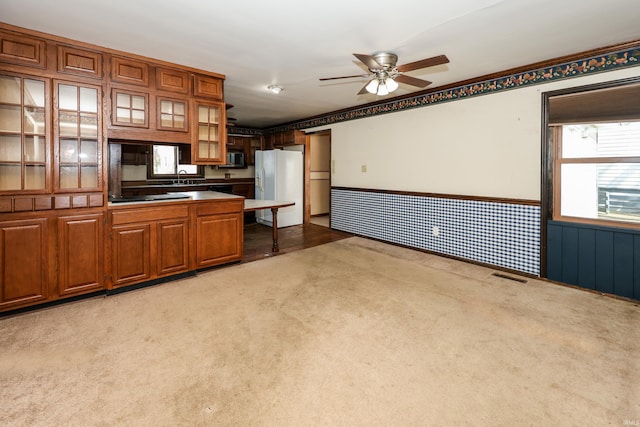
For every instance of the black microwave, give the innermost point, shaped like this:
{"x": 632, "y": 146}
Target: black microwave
{"x": 235, "y": 159}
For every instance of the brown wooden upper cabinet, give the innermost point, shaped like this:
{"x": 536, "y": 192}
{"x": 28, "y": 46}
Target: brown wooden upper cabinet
{"x": 26, "y": 135}
{"x": 207, "y": 87}
{"x": 155, "y": 103}
{"x": 129, "y": 71}
{"x": 209, "y": 136}
{"x": 282, "y": 139}
{"x": 77, "y": 137}
{"x": 172, "y": 80}
{"x": 22, "y": 49}
{"x": 81, "y": 62}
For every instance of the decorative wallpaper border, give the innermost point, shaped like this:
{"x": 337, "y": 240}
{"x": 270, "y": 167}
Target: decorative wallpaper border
{"x": 589, "y": 65}
{"x": 237, "y": 130}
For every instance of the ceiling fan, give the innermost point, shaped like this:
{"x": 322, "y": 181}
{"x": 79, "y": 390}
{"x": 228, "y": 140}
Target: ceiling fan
{"x": 385, "y": 74}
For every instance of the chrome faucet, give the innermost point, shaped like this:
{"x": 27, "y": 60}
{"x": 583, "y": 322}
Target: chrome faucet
{"x": 181, "y": 172}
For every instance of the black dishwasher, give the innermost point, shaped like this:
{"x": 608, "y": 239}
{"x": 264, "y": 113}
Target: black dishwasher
{"x": 222, "y": 188}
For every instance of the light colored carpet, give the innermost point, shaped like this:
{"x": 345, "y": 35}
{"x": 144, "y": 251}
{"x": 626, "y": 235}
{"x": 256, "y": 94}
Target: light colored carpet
{"x": 349, "y": 333}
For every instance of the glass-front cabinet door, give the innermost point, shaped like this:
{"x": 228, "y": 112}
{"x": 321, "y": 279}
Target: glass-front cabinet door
{"x": 78, "y": 137}
{"x": 24, "y": 133}
{"x": 209, "y": 133}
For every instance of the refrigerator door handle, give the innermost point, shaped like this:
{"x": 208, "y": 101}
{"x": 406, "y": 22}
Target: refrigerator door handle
{"x": 260, "y": 179}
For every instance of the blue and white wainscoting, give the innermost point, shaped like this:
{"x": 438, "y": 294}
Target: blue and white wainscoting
{"x": 498, "y": 233}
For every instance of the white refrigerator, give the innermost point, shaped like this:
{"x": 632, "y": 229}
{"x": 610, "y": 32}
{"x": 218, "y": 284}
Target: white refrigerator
{"x": 280, "y": 176}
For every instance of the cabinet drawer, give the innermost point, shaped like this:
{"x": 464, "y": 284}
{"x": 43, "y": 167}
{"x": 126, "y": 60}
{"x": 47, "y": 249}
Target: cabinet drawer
{"x": 130, "y": 216}
{"x": 220, "y": 207}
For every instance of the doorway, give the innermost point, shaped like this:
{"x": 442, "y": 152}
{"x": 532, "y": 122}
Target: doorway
{"x": 319, "y": 145}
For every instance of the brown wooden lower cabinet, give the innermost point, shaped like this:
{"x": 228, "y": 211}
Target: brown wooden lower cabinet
{"x": 219, "y": 232}
{"x": 55, "y": 256}
{"x": 172, "y": 246}
{"x": 218, "y": 239}
{"x": 148, "y": 242}
{"x": 134, "y": 259}
{"x": 131, "y": 254}
{"x": 80, "y": 253}
{"x": 162, "y": 240}
{"x": 23, "y": 262}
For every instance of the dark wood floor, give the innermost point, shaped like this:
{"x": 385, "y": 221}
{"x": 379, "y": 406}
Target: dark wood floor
{"x": 258, "y": 239}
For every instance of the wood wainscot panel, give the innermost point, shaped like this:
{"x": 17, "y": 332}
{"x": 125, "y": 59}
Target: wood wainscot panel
{"x": 23, "y": 50}
{"x": 80, "y": 62}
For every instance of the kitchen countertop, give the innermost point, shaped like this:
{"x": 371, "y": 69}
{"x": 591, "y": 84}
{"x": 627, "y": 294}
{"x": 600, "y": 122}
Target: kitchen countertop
{"x": 192, "y": 196}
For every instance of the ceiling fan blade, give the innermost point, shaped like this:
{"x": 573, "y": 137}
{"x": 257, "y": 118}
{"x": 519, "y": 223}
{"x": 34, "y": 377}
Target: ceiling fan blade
{"x": 344, "y": 77}
{"x": 364, "y": 89}
{"x": 368, "y": 60}
{"x": 413, "y": 81}
{"x": 424, "y": 63}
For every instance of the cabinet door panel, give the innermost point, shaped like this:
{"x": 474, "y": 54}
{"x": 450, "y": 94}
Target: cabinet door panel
{"x": 209, "y": 87}
{"x": 209, "y": 136}
{"x": 23, "y": 262}
{"x": 173, "y": 247}
{"x": 130, "y": 71}
{"x": 219, "y": 239}
{"x": 80, "y": 253}
{"x": 79, "y": 61}
{"x": 172, "y": 80}
{"x": 131, "y": 250}
{"x": 23, "y": 50}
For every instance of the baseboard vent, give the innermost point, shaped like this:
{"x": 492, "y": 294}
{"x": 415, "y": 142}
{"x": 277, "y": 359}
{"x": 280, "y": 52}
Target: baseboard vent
{"x": 504, "y": 276}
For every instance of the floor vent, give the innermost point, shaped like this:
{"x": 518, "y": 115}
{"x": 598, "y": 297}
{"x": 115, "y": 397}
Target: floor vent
{"x": 504, "y": 276}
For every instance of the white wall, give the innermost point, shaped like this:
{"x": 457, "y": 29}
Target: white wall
{"x": 483, "y": 146}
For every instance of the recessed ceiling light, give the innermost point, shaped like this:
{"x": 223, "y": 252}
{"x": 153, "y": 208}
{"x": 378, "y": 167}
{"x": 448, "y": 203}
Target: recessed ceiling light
{"x": 275, "y": 88}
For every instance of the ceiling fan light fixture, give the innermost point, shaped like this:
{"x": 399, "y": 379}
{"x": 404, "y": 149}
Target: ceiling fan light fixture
{"x": 275, "y": 88}
{"x": 382, "y": 89}
{"x": 391, "y": 84}
{"x": 372, "y": 87}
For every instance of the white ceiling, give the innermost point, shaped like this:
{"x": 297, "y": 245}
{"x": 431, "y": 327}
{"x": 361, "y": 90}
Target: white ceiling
{"x": 293, "y": 43}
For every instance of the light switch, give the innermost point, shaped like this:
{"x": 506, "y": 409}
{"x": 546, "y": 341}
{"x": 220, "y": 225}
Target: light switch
{"x": 363, "y": 168}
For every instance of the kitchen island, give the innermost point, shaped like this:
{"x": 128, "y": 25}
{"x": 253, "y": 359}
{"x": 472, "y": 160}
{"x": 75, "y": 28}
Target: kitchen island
{"x": 252, "y": 205}
{"x": 152, "y": 239}
{"x": 178, "y": 232}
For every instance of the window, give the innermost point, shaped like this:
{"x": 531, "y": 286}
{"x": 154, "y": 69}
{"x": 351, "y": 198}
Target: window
{"x": 597, "y": 172}
{"x": 166, "y": 164}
